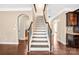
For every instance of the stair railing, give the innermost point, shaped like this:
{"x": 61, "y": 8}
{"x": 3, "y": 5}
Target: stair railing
{"x": 49, "y": 32}
{"x": 29, "y": 35}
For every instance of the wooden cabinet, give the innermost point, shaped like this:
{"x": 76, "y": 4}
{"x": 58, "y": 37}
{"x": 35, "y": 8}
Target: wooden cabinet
{"x": 76, "y": 29}
{"x": 73, "y": 40}
{"x": 71, "y": 19}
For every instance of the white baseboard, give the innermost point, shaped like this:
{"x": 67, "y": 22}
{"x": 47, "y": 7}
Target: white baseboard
{"x": 64, "y": 43}
{"x": 9, "y": 42}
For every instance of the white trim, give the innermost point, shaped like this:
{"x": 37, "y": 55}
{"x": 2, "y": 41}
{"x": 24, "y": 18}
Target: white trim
{"x": 9, "y": 42}
{"x": 15, "y": 9}
{"x": 64, "y": 43}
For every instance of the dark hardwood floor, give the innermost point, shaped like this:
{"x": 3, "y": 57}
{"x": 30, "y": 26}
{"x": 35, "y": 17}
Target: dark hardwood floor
{"x": 60, "y": 49}
{"x": 22, "y": 49}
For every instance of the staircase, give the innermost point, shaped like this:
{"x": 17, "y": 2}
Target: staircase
{"x": 39, "y": 42}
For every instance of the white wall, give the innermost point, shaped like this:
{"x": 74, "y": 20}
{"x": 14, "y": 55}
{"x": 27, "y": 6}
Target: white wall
{"x": 8, "y": 26}
{"x": 61, "y": 27}
{"x": 54, "y": 9}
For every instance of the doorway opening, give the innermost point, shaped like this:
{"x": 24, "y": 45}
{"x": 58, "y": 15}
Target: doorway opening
{"x": 23, "y": 25}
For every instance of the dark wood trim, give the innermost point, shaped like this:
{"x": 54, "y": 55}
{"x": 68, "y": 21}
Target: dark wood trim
{"x": 30, "y": 26}
{"x": 47, "y": 22}
{"x": 44, "y": 7}
{"x": 50, "y": 32}
{"x": 28, "y": 35}
{"x": 50, "y": 35}
{"x": 35, "y": 8}
{"x": 76, "y": 10}
{"x": 28, "y": 42}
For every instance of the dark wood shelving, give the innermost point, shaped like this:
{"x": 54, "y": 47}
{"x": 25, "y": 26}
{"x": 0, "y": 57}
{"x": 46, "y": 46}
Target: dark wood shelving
{"x": 73, "y": 40}
{"x": 72, "y": 20}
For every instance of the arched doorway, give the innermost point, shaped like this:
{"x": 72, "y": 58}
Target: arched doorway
{"x": 23, "y": 25}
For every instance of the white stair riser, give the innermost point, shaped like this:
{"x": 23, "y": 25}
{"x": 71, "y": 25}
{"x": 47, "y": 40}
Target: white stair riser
{"x": 40, "y": 29}
{"x": 40, "y": 39}
{"x": 39, "y": 35}
{"x": 40, "y": 32}
{"x": 39, "y": 49}
{"x": 39, "y": 43}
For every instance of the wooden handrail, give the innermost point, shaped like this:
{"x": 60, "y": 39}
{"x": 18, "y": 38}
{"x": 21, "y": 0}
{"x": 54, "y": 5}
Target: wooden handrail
{"x": 29, "y": 34}
{"x": 49, "y": 26}
{"x": 47, "y": 23}
{"x": 35, "y": 8}
{"x": 44, "y": 8}
{"x": 30, "y": 26}
{"x": 48, "y": 30}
